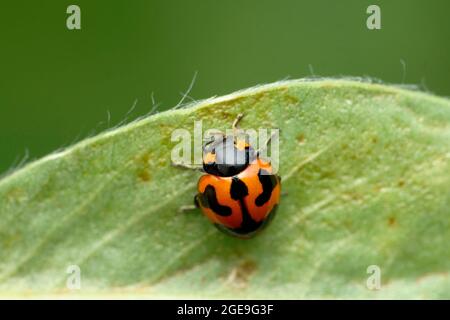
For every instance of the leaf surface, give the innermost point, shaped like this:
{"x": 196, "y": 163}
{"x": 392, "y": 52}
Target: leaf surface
{"x": 367, "y": 172}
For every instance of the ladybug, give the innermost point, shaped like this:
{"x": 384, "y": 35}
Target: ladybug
{"x": 238, "y": 193}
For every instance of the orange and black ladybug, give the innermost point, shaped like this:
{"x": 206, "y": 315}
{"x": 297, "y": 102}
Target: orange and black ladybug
{"x": 239, "y": 193}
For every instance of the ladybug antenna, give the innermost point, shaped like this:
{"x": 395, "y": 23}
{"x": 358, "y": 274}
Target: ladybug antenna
{"x": 236, "y": 122}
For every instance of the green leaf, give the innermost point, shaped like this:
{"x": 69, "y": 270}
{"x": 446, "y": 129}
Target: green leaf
{"x": 367, "y": 172}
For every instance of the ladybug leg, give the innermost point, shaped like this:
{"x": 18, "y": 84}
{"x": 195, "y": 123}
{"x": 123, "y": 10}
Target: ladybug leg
{"x": 266, "y": 144}
{"x": 187, "y": 208}
{"x": 215, "y": 132}
{"x": 211, "y": 135}
{"x": 283, "y": 192}
{"x": 187, "y": 166}
{"x": 190, "y": 207}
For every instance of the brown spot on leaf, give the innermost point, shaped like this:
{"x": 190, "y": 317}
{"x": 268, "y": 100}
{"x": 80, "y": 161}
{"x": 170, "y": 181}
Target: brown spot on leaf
{"x": 15, "y": 195}
{"x": 143, "y": 171}
{"x": 392, "y": 221}
{"x": 353, "y": 196}
{"x": 289, "y": 98}
{"x": 259, "y": 96}
{"x": 292, "y": 100}
{"x": 301, "y": 138}
{"x": 240, "y": 275}
{"x": 144, "y": 175}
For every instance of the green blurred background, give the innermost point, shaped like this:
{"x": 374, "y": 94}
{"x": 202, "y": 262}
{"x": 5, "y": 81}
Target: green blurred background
{"x": 58, "y": 86}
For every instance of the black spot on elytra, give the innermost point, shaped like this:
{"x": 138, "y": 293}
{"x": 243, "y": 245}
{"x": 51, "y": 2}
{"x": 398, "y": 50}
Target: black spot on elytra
{"x": 268, "y": 182}
{"x": 248, "y": 225}
{"x": 247, "y": 231}
{"x": 238, "y": 189}
{"x": 208, "y": 199}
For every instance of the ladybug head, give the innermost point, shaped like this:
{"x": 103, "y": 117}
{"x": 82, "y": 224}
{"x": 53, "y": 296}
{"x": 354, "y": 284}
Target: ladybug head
{"x": 227, "y": 156}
